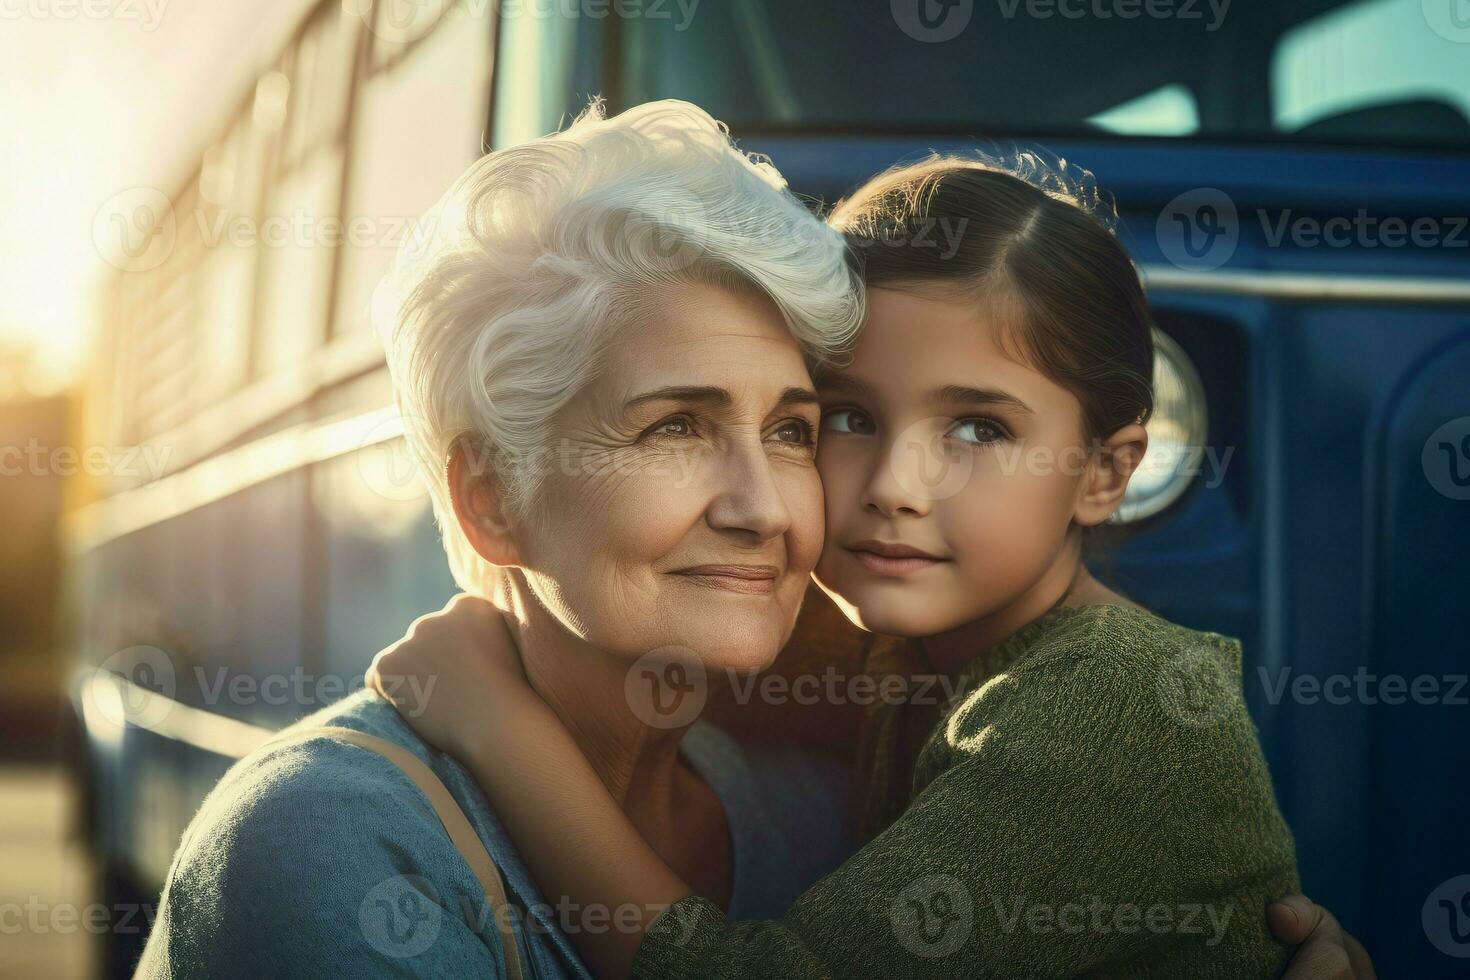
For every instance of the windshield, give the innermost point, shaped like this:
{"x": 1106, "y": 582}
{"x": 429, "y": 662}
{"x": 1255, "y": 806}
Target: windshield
{"x": 1366, "y": 72}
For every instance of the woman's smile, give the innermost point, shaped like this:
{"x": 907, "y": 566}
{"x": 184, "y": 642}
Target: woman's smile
{"x": 744, "y": 579}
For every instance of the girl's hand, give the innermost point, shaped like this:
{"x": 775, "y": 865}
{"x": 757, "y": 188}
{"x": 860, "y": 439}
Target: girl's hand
{"x": 449, "y": 671}
{"x": 1326, "y": 950}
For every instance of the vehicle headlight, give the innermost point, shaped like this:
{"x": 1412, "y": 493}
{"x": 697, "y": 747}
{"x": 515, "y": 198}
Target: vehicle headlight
{"x": 1176, "y": 435}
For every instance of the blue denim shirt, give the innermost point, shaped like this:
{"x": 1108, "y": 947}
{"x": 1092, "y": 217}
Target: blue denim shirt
{"x": 316, "y": 858}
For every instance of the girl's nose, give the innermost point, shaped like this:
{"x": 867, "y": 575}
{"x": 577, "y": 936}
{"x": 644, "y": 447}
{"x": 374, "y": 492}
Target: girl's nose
{"x": 897, "y": 473}
{"x": 918, "y": 467}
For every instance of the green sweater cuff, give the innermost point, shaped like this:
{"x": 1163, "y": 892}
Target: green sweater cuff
{"x": 675, "y": 945}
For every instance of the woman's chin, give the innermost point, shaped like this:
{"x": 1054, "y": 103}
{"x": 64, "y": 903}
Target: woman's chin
{"x": 738, "y": 659}
{"x": 740, "y": 634}
{"x": 738, "y": 647}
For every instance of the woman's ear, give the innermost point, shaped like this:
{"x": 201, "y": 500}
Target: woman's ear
{"x": 1106, "y": 479}
{"x": 480, "y": 504}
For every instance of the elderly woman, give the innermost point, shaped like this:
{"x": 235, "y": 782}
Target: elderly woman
{"x": 582, "y": 303}
{"x": 601, "y": 351}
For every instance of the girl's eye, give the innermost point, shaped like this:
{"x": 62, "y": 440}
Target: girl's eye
{"x": 797, "y": 432}
{"x": 982, "y": 432}
{"x": 849, "y": 420}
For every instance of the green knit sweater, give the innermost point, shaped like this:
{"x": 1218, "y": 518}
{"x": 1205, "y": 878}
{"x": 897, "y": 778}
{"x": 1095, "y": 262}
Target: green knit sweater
{"x": 1092, "y": 800}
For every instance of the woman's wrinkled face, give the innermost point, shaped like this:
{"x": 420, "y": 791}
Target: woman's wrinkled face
{"x": 684, "y": 508}
{"x": 951, "y": 469}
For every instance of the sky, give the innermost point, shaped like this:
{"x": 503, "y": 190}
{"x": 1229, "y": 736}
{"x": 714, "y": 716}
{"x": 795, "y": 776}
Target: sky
{"x": 97, "y": 97}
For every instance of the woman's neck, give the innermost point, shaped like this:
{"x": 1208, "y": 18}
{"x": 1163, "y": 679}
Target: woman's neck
{"x": 638, "y": 763}
{"x": 584, "y": 686}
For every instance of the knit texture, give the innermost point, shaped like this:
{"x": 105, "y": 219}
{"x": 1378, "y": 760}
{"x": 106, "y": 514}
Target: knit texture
{"x": 1091, "y": 801}
{"x": 317, "y": 858}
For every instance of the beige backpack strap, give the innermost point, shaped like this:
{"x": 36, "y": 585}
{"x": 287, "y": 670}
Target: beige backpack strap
{"x": 461, "y": 834}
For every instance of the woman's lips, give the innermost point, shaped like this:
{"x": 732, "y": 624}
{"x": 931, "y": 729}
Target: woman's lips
{"x": 893, "y": 560}
{"x": 745, "y": 579}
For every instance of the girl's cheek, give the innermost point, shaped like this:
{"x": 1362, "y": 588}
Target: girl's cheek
{"x": 841, "y": 468}
{"x": 1006, "y": 522}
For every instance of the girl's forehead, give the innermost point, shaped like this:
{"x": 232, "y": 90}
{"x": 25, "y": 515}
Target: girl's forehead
{"x": 931, "y": 334}
{"x": 924, "y": 346}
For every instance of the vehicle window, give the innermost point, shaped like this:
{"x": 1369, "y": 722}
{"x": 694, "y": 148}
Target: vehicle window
{"x": 1373, "y": 71}
{"x": 403, "y": 155}
{"x": 1169, "y": 110}
{"x": 534, "y": 78}
{"x": 1383, "y": 69}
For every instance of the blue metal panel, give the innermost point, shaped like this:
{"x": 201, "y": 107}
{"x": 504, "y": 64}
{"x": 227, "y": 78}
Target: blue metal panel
{"x": 1326, "y": 548}
{"x": 1416, "y": 591}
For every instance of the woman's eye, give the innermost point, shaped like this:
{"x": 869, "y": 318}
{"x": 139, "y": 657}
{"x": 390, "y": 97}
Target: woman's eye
{"x": 797, "y": 432}
{"x": 979, "y": 431}
{"x": 680, "y": 425}
{"x": 849, "y": 420}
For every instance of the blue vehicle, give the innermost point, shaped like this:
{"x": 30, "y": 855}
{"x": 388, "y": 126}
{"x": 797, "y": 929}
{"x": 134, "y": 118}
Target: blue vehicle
{"x": 1293, "y": 177}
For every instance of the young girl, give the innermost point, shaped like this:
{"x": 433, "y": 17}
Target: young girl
{"x": 1089, "y": 797}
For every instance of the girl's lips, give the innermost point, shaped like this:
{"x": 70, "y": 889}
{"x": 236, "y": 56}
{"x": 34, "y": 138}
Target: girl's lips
{"x": 893, "y": 567}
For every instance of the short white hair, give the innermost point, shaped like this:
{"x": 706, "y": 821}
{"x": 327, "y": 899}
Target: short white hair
{"x": 496, "y": 311}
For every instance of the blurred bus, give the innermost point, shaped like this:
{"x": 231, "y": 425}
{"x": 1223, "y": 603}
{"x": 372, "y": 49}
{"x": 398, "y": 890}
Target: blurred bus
{"x": 264, "y": 531}
{"x": 1292, "y": 176}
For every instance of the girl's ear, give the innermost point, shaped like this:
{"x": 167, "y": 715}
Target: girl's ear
{"x": 1108, "y": 472}
{"x": 480, "y": 504}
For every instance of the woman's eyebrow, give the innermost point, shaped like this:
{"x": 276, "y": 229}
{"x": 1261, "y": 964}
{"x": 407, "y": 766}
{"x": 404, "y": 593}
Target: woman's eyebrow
{"x": 716, "y": 396}
{"x": 963, "y": 394}
{"x": 709, "y": 394}
{"x": 796, "y": 395}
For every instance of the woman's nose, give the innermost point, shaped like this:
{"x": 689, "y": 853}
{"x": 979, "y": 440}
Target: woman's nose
{"x": 748, "y": 497}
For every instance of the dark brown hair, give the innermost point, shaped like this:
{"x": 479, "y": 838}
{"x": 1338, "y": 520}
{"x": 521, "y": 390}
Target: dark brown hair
{"x": 1031, "y": 243}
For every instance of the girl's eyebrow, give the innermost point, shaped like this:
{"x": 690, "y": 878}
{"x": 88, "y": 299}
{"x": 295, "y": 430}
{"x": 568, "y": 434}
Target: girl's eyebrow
{"x": 947, "y": 395}
{"x": 846, "y": 382}
{"x": 963, "y": 394}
